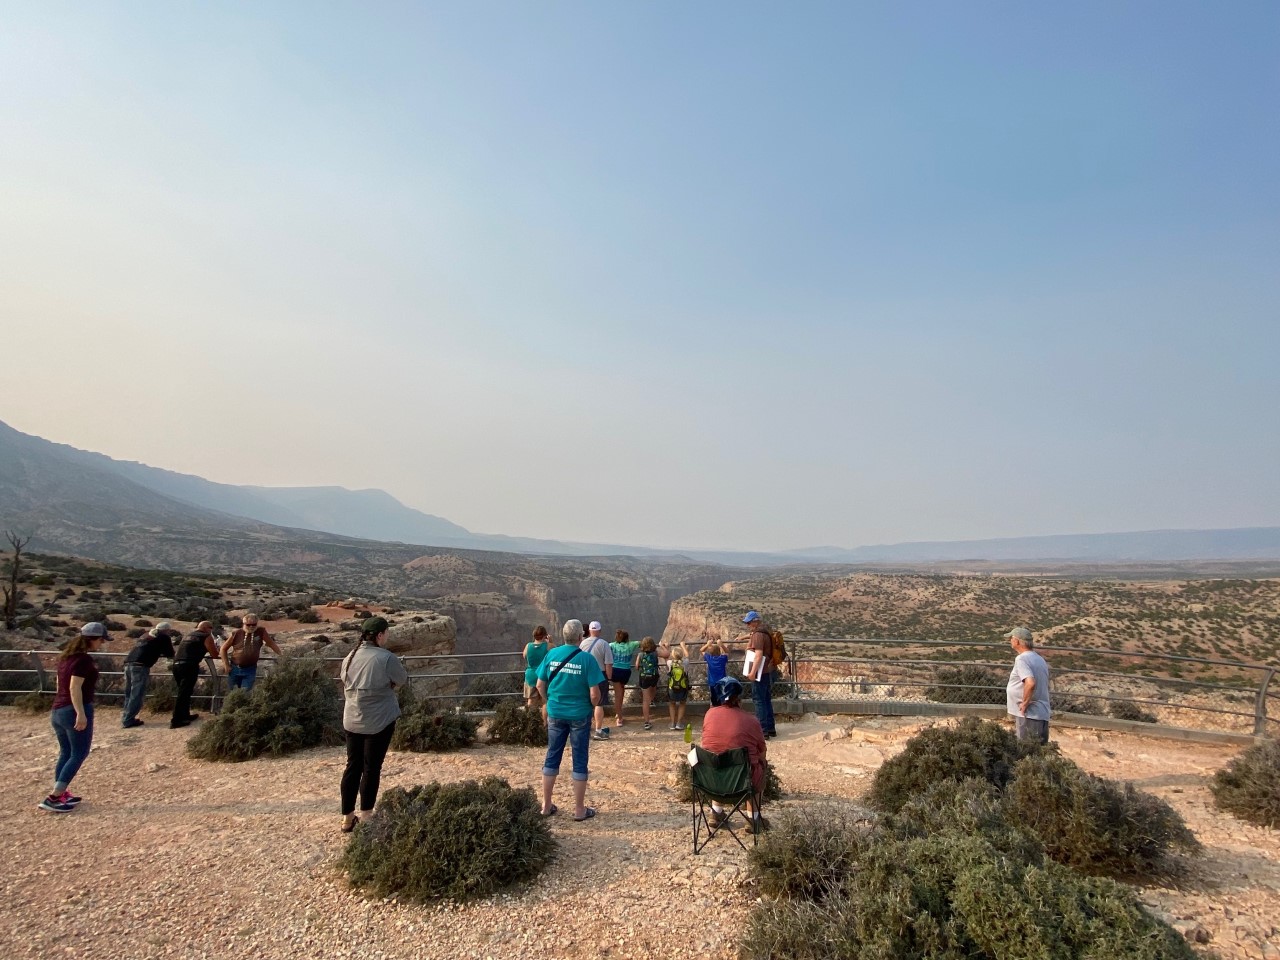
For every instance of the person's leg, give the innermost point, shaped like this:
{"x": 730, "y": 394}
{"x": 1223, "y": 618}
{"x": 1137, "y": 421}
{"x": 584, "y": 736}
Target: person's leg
{"x": 182, "y": 699}
{"x": 680, "y": 707}
{"x": 646, "y": 701}
{"x": 557, "y": 737}
{"x": 350, "y": 785}
{"x": 619, "y": 690}
{"x": 81, "y": 742}
{"x": 135, "y": 691}
{"x": 375, "y": 751}
{"x": 763, "y": 695}
{"x": 63, "y": 720}
{"x": 1020, "y": 727}
{"x": 248, "y": 677}
{"x": 580, "y": 744}
{"x": 671, "y": 709}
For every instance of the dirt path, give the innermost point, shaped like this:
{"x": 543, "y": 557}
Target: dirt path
{"x": 170, "y": 857}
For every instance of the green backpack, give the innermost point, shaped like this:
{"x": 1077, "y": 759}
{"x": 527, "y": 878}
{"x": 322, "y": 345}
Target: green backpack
{"x": 679, "y": 678}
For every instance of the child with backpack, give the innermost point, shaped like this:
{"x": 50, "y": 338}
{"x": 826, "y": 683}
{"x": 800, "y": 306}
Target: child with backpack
{"x": 647, "y": 666}
{"x": 677, "y": 685}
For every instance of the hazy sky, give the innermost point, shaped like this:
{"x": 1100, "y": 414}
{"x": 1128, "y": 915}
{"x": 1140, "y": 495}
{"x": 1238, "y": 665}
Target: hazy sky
{"x": 702, "y": 275}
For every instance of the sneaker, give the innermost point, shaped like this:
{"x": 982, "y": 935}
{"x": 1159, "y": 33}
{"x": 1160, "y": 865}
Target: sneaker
{"x": 599, "y": 735}
{"x": 675, "y": 727}
{"x": 55, "y": 805}
{"x": 135, "y": 722}
{"x": 67, "y": 798}
{"x": 648, "y": 726}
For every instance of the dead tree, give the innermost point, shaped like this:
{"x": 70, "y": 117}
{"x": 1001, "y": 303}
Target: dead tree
{"x": 12, "y": 592}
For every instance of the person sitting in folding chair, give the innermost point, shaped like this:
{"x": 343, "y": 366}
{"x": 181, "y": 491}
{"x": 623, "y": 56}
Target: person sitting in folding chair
{"x": 725, "y": 728}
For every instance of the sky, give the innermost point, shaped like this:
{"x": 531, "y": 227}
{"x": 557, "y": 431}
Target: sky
{"x": 713, "y": 275}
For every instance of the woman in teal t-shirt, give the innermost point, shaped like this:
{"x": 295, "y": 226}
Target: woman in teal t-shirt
{"x": 534, "y": 654}
{"x": 625, "y": 653}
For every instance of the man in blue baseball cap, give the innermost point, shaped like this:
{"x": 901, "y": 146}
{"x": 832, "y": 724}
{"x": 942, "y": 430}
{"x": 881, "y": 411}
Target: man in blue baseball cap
{"x": 759, "y": 640}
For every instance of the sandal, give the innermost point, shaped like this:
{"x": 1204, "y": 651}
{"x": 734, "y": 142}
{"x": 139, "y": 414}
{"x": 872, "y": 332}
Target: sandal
{"x": 552, "y": 812}
{"x": 587, "y": 814}
{"x": 350, "y": 825}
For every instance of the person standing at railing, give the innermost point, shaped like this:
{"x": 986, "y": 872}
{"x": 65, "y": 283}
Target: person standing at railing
{"x": 186, "y": 670}
{"x": 151, "y": 646}
{"x": 625, "y": 653}
{"x": 534, "y": 653}
{"x": 716, "y": 658}
{"x": 759, "y": 648}
{"x": 598, "y": 648}
{"x": 1027, "y": 696}
{"x": 240, "y": 654}
{"x": 370, "y": 675}
{"x": 72, "y": 715}
{"x": 569, "y": 679}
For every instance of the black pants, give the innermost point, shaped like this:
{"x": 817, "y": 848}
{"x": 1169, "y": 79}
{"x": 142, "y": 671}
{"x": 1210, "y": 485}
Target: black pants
{"x": 365, "y": 753}
{"x": 185, "y": 676}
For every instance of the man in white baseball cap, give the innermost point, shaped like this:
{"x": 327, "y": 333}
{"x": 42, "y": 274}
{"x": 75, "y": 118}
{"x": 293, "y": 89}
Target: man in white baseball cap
{"x": 598, "y": 647}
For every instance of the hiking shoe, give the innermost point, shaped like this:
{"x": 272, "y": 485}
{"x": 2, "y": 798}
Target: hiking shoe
{"x": 69, "y": 799}
{"x": 601, "y": 734}
{"x": 648, "y": 726}
{"x": 55, "y": 805}
{"x": 758, "y": 825}
{"x": 135, "y": 722}
{"x": 715, "y": 818}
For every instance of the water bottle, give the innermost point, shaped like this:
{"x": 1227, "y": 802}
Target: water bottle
{"x": 688, "y": 733}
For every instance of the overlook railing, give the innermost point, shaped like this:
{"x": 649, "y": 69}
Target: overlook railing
{"x": 831, "y": 675}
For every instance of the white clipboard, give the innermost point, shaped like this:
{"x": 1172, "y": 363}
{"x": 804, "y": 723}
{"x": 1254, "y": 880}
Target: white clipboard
{"x": 753, "y": 666}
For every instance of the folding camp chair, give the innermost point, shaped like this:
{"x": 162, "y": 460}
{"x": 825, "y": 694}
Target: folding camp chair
{"x": 726, "y": 779}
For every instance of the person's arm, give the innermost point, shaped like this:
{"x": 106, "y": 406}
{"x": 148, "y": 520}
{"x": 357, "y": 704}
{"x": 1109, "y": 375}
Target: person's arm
{"x": 684, "y": 652}
{"x": 77, "y": 701}
{"x": 210, "y": 647}
{"x": 595, "y": 696}
{"x": 1028, "y": 688}
{"x": 270, "y": 642}
{"x": 396, "y": 672}
{"x": 525, "y": 655}
{"x": 226, "y": 653}
{"x": 542, "y": 688}
{"x": 635, "y": 660}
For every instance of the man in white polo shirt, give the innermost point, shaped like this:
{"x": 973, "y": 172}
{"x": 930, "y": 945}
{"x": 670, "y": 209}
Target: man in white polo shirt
{"x": 1027, "y": 696}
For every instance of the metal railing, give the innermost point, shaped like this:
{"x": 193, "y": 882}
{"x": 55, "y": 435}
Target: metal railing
{"x": 1229, "y": 696}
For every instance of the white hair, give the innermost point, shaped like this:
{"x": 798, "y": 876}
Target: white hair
{"x": 572, "y": 631}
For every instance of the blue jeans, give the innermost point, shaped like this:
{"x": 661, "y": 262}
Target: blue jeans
{"x": 136, "y": 676}
{"x": 241, "y": 678}
{"x": 577, "y": 733}
{"x": 762, "y": 694}
{"x": 73, "y": 744}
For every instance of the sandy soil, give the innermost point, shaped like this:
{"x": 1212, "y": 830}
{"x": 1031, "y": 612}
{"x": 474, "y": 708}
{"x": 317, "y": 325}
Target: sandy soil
{"x": 170, "y": 857}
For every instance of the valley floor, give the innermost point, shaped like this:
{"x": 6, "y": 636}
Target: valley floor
{"x": 171, "y": 857}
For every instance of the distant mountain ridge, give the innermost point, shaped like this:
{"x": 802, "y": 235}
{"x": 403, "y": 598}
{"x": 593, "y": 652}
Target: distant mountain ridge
{"x": 56, "y": 487}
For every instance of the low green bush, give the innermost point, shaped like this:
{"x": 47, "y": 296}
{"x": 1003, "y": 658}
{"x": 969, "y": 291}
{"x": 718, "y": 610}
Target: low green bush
{"x": 967, "y": 684}
{"x": 1095, "y": 825}
{"x": 34, "y": 702}
{"x": 810, "y": 853}
{"x": 294, "y": 706}
{"x": 1249, "y": 786}
{"x": 517, "y": 726}
{"x": 423, "y": 729}
{"x": 972, "y": 748}
{"x": 1125, "y": 710}
{"x": 684, "y": 782}
{"x": 970, "y": 807}
{"x": 456, "y": 841}
{"x": 1077, "y": 703}
{"x": 308, "y": 616}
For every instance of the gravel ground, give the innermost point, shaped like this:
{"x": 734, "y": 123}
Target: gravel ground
{"x": 171, "y": 857}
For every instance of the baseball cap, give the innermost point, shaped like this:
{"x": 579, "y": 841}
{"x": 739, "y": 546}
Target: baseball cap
{"x": 93, "y": 630}
{"x": 595, "y": 625}
{"x": 724, "y": 688}
{"x": 751, "y": 617}
{"x": 1018, "y": 633}
{"x": 374, "y": 625}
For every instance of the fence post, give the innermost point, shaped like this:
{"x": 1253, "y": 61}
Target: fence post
{"x": 39, "y": 665}
{"x": 1260, "y": 705}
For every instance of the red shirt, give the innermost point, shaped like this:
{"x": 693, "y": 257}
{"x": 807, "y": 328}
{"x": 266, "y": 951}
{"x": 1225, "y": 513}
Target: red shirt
{"x": 81, "y": 665}
{"x": 727, "y": 728}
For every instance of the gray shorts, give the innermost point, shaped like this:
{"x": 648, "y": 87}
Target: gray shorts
{"x": 1028, "y": 729}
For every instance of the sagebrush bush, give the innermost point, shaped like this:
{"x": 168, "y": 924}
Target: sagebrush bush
{"x": 294, "y": 706}
{"x": 423, "y": 729}
{"x": 970, "y": 807}
{"x": 34, "y": 702}
{"x": 456, "y": 841}
{"x": 684, "y": 782}
{"x": 1249, "y": 786}
{"x": 517, "y": 726}
{"x": 810, "y": 853}
{"x": 1077, "y": 703}
{"x": 1094, "y": 825}
{"x": 967, "y": 684}
{"x": 1125, "y": 710}
{"x": 308, "y": 616}
{"x": 945, "y": 897}
{"x": 972, "y": 748}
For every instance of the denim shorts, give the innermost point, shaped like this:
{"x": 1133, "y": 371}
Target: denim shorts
{"x": 576, "y": 733}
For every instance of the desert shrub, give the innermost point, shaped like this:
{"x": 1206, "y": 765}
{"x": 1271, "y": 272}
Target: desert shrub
{"x": 972, "y": 748}
{"x": 114, "y": 626}
{"x": 485, "y": 692}
{"x": 293, "y": 707}
{"x": 423, "y": 729}
{"x": 517, "y": 726}
{"x": 1077, "y": 703}
{"x": 810, "y": 853}
{"x": 141, "y": 622}
{"x": 1124, "y": 710}
{"x": 684, "y": 782}
{"x": 1249, "y": 786}
{"x": 162, "y": 693}
{"x": 949, "y": 896}
{"x": 967, "y": 684}
{"x": 308, "y": 616}
{"x": 17, "y": 672}
{"x": 1094, "y": 825}
{"x": 34, "y": 702}
{"x": 970, "y": 807}
{"x": 135, "y": 632}
{"x": 457, "y": 840}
